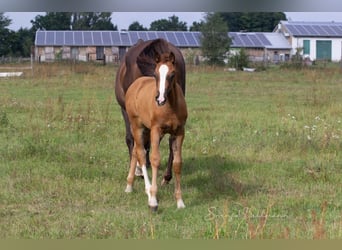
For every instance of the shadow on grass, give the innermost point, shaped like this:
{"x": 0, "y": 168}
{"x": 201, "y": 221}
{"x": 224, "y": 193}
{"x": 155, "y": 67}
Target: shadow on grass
{"x": 217, "y": 177}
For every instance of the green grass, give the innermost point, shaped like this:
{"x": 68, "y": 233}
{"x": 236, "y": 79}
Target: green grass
{"x": 261, "y": 157}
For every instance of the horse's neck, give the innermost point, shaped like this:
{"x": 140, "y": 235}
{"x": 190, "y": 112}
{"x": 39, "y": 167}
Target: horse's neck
{"x": 174, "y": 95}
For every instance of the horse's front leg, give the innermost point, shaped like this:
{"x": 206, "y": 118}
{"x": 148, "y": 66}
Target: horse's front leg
{"x": 155, "y": 163}
{"x": 177, "y": 166}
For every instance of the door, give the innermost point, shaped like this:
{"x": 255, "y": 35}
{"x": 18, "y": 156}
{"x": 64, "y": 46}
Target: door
{"x": 323, "y": 50}
{"x": 99, "y": 53}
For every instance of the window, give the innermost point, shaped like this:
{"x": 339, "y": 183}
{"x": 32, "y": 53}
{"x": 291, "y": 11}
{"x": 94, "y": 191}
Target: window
{"x": 306, "y": 45}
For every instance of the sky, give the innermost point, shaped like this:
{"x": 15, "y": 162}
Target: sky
{"x": 124, "y": 19}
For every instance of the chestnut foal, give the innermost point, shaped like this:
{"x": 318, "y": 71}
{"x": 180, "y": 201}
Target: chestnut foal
{"x": 157, "y": 104}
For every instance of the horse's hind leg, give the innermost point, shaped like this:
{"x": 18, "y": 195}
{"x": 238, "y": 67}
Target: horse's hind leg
{"x": 168, "y": 173}
{"x": 131, "y": 172}
{"x": 129, "y": 136}
{"x": 137, "y": 156}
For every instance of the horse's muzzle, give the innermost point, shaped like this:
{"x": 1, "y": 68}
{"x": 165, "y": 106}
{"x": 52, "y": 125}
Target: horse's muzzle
{"x": 160, "y": 100}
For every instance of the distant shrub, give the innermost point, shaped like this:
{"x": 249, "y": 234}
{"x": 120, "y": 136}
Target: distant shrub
{"x": 239, "y": 60}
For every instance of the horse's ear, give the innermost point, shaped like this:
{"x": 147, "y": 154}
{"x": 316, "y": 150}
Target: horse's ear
{"x": 172, "y": 57}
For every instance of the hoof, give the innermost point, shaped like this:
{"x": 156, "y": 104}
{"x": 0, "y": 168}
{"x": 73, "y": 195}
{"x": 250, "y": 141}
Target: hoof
{"x": 153, "y": 209}
{"x": 164, "y": 182}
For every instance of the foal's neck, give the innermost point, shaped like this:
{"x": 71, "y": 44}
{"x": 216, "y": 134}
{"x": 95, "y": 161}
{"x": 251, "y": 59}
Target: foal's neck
{"x": 174, "y": 95}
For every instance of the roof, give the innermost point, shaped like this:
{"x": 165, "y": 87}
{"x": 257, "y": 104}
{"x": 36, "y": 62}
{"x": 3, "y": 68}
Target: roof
{"x": 313, "y": 29}
{"x": 259, "y": 40}
{"x": 113, "y": 38}
{"x": 179, "y": 38}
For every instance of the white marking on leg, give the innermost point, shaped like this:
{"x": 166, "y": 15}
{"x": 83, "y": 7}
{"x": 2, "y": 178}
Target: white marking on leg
{"x": 180, "y": 204}
{"x": 147, "y": 181}
{"x": 129, "y": 189}
{"x": 138, "y": 171}
{"x": 163, "y": 72}
{"x": 152, "y": 201}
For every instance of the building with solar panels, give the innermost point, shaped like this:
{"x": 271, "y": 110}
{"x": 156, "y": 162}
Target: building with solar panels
{"x": 314, "y": 40}
{"x": 102, "y": 45}
{"x": 262, "y": 46}
{"x": 112, "y": 45}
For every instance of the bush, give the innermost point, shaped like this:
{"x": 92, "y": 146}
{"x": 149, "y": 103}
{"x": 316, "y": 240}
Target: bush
{"x": 239, "y": 60}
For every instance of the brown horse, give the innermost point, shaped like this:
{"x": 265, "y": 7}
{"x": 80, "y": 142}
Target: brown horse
{"x": 139, "y": 61}
{"x": 157, "y": 104}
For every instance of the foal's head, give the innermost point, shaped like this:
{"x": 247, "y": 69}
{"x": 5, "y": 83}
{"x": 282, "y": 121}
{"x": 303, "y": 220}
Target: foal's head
{"x": 164, "y": 74}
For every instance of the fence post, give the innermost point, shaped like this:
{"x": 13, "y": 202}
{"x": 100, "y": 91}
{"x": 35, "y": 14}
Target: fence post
{"x": 31, "y": 64}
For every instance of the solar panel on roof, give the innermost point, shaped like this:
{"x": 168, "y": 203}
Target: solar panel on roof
{"x": 263, "y": 39}
{"x": 125, "y": 38}
{"x": 339, "y": 29}
{"x": 87, "y": 38}
{"x": 50, "y": 38}
{"x": 78, "y": 35}
{"x": 181, "y": 39}
{"x": 191, "y": 40}
{"x": 116, "y": 37}
{"x": 134, "y": 36}
{"x": 40, "y": 38}
{"x": 236, "y": 40}
{"x": 197, "y": 36}
{"x": 171, "y": 37}
{"x": 245, "y": 40}
{"x": 97, "y": 37}
{"x": 292, "y": 29}
{"x": 302, "y": 30}
{"x": 160, "y": 34}
{"x": 59, "y": 38}
{"x": 255, "y": 40}
{"x": 142, "y": 35}
{"x": 106, "y": 38}
{"x": 328, "y": 30}
{"x": 151, "y": 35}
{"x": 69, "y": 38}
{"x": 310, "y": 29}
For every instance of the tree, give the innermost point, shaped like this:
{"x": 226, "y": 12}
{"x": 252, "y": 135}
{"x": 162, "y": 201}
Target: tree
{"x": 23, "y": 41}
{"x": 92, "y": 21}
{"x": 74, "y": 21}
{"x": 136, "y": 26}
{"x": 196, "y": 26}
{"x": 214, "y": 39}
{"x": 252, "y": 21}
{"x": 6, "y": 36}
{"x": 52, "y": 21}
{"x": 171, "y": 24}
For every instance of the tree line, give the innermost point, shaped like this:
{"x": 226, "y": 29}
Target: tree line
{"x": 19, "y": 43}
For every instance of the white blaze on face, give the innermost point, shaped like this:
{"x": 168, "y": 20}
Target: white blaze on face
{"x": 162, "y": 78}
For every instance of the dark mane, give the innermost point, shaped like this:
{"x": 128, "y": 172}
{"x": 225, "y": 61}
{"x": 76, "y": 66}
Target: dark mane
{"x": 146, "y": 59}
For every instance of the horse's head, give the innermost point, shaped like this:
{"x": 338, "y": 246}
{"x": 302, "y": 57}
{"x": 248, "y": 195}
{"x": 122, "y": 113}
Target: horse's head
{"x": 164, "y": 74}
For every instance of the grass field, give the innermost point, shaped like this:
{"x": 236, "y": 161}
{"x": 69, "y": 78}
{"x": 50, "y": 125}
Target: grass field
{"x": 262, "y": 157}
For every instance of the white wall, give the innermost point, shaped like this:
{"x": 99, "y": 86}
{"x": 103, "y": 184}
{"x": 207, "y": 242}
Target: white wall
{"x": 336, "y": 46}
